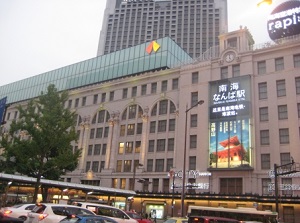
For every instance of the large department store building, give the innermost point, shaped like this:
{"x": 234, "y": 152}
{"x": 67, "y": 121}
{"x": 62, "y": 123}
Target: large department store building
{"x": 133, "y": 106}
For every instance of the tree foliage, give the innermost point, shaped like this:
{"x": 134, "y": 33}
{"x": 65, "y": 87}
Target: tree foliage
{"x": 38, "y": 144}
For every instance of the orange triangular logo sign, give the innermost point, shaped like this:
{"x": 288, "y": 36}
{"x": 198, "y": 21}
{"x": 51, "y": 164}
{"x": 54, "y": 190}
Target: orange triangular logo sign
{"x": 149, "y": 48}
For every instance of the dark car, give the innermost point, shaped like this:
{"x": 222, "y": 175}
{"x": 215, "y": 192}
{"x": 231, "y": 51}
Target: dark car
{"x": 6, "y": 219}
{"x": 138, "y": 217}
{"x": 87, "y": 219}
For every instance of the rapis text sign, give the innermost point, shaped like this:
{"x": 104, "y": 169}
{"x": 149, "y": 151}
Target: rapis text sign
{"x": 284, "y": 20}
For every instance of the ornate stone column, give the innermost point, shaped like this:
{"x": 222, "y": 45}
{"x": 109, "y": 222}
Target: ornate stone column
{"x": 83, "y": 140}
{"x": 144, "y": 138}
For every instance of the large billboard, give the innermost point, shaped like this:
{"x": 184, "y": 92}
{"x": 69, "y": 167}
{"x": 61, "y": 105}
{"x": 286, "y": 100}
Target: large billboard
{"x": 284, "y": 20}
{"x": 230, "y": 112}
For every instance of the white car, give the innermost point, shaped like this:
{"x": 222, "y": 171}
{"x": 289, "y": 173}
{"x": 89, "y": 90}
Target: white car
{"x": 18, "y": 210}
{"x": 53, "y": 213}
{"x": 100, "y": 209}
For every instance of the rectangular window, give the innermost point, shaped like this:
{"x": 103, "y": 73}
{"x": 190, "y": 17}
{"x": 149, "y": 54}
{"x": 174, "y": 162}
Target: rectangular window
{"x": 111, "y": 95}
{"x": 298, "y": 108}
{"x": 297, "y": 83}
{"x": 279, "y": 64}
{"x": 155, "y": 185}
{"x": 95, "y": 166}
{"x": 231, "y": 185}
{"x": 284, "y": 137}
{"x": 133, "y": 91}
{"x": 161, "y": 145}
{"x": 159, "y": 165}
{"x": 164, "y": 86}
{"x": 285, "y": 158}
{"x": 97, "y": 149}
{"x": 144, "y": 89}
{"x": 106, "y": 130}
{"x": 151, "y": 146}
{"x": 192, "y": 163}
{"x": 149, "y": 165}
{"x": 194, "y": 120}
{"x": 281, "y": 91}
{"x": 153, "y": 88}
{"x": 162, "y": 126}
{"x": 264, "y": 114}
{"x": 125, "y": 92}
{"x": 297, "y": 60}
{"x": 175, "y": 84}
{"x": 169, "y": 164}
{"x": 90, "y": 150}
{"x": 172, "y": 125}
{"x": 265, "y": 162}
{"x": 195, "y": 77}
{"x": 137, "y": 148}
{"x": 261, "y": 67}
{"x": 193, "y": 141}
{"x": 139, "y": 128}
{"x": 119, "y": 166}
{"x": 127, "y": 165}
{"x": 287, "y": 181}
{"x": 264, "y": 137}
{"x": 122, "y": 130}
{"x": 262, "y": 91}
{"x": 83, "y": 102}
{"x": 130, "y": 129}
{"x": 104, "y": 149}
{"x": 76, "y": 102}
{"x": 121, "y": 148}
{"x": 70, "y": 104}
{"x": 282, "y": 112}
{"x": 265, "y": 186}
{"x": 152, "y": 126}
{"x": 163, "y": 107}
{"x": 103, "y": 97}
{"x": 194, "y": 98}
{"x": 129, "y": 147}
{"x": 87, "y": 166}
{"x": 224, "y": 72}
{"x": 171, "y": 144}
{"x": 95, "y": 99}
{"x": 236, "y": 70}
{"x": 102, "y": 165}
{"x": 92, "y": 133}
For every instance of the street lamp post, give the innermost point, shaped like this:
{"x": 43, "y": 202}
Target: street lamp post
{"x": 184, "y": 155}
{"x": 282, "y": 170}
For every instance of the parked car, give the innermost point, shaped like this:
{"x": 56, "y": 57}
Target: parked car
{"x": 18, "y": 210}
{"x": 176, "y": 220}
{"x": 87, "y": 219}
{"x": 53, "y": 213}
{"x": 138, "y": 217}
{"x": 100, "y": 209}
{"x": 7, "y": 219}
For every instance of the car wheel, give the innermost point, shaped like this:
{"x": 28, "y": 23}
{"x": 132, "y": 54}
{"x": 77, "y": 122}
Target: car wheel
{"x": 23, "y": 218}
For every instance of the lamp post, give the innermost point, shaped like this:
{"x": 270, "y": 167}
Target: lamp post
{"x": 184, "y": 155}
{"x": 285, "y": 169}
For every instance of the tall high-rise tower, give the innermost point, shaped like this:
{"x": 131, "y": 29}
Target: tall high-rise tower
{"x": 194, "y": 24}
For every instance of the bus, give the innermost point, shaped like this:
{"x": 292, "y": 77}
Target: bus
{"x": 240, "y": 213}
{"x": 211, "y": 219}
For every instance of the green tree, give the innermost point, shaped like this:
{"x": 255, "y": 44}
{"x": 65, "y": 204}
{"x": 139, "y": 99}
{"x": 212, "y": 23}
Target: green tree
{"x": 38, "y": 144}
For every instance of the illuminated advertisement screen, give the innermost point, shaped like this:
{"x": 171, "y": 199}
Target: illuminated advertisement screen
{"x": 284, "y": 20}
{"x": 230, "y": 123}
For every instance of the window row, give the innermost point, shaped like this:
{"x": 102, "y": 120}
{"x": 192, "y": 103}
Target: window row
{"x": 282, "y": 111}
{"x": 94, "y": 150}
{"x": 284, "y": 136}
{"x": 278, "y": 64}
{"x": 94, "y": 166}
{"x": 110, "y": 96}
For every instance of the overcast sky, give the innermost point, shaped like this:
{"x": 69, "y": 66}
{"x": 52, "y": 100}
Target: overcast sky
{"x": 37, "y": 36}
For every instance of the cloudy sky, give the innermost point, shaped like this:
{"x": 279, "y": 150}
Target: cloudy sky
{"x": 37, "y": 36}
